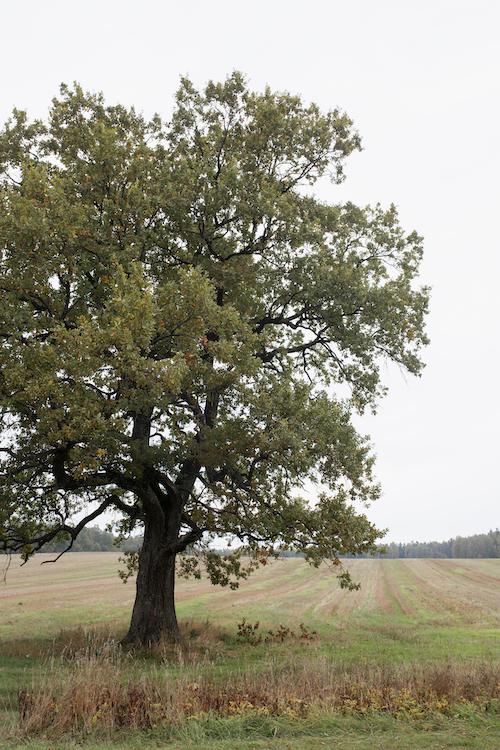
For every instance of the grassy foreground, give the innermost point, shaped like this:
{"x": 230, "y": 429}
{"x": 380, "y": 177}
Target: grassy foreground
{"x": 344, "y": 733}
{"x": 410, "y": 661}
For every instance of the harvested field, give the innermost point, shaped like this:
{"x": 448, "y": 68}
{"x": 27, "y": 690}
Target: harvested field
{"x": 458, "y": 591}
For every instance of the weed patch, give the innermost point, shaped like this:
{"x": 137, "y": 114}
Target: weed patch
{"x": 249, "y": 633}
{"x": 100, "y": 693}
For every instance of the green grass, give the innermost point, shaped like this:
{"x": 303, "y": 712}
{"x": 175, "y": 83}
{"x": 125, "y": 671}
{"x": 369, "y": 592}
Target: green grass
{"x": 256, "y": 733}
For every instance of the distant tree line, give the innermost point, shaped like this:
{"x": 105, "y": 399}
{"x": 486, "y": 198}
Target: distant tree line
{"x": 477, "y": 545}
{"x": 95, "y": 539}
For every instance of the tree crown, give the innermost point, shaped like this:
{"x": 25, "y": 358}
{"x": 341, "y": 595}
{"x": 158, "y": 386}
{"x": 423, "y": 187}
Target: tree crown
{"x": 178, "y": 315}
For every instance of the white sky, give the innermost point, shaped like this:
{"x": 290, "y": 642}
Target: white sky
{"x": 421, "y": 80}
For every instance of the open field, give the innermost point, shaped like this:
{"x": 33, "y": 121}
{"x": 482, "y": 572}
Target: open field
{"x": 83, "y": 588}
{"x": 438, "y": 614}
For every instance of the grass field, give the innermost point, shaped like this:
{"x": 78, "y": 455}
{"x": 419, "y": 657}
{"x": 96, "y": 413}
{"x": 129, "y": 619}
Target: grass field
{"x": 433, "y": 613}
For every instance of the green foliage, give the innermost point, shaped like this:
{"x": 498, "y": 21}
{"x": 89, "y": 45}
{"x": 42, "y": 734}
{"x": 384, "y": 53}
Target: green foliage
{"x": 185, "y": 329}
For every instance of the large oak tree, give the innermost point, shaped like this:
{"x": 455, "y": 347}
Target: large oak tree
{"x": 186, "y": 330}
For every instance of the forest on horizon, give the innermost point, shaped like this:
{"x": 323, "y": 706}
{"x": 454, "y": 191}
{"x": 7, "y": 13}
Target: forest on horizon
{"x": 95, "y": 539}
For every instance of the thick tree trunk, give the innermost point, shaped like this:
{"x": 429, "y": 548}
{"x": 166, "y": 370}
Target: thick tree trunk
{"x": 153, "y": 616}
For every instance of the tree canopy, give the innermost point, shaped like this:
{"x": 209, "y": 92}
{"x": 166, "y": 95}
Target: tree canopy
{"x": 186, "y": 330}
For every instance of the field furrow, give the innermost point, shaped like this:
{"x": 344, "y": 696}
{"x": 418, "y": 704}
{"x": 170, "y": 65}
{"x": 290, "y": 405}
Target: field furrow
{"x": 82, "y": 583}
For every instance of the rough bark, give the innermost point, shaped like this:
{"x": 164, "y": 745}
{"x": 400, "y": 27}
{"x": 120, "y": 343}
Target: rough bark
{"x": 153, "y": 615}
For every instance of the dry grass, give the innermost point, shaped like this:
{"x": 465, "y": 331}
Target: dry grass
{"x": 98, "y": 691}
{"x": 198, "y": 639}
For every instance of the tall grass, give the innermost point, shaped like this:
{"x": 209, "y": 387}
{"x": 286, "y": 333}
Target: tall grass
{"x": 101, "y": 689}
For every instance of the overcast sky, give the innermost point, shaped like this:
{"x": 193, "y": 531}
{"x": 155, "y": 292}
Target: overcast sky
{"x": 421, "y": 80}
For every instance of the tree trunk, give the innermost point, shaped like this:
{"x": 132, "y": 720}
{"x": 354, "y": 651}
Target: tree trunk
{"x": 153, "y": 616}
